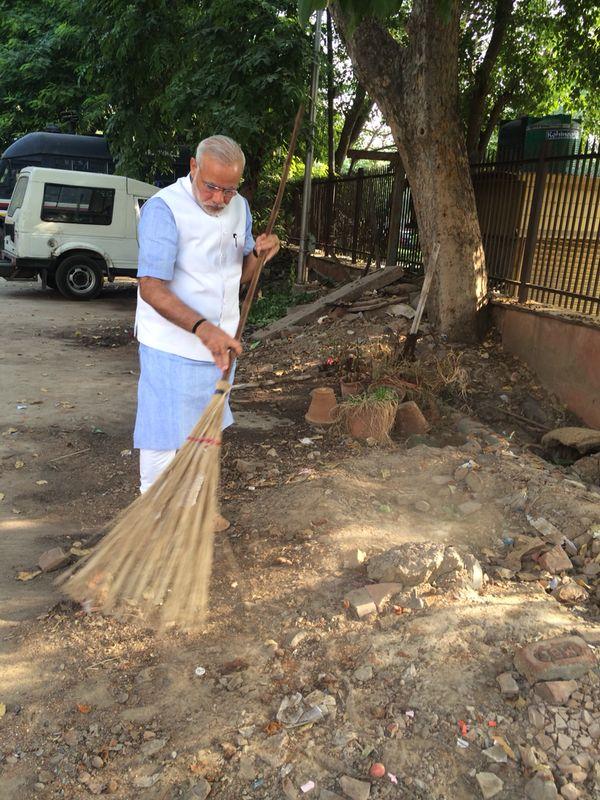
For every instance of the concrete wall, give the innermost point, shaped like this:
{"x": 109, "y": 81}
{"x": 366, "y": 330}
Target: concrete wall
{"x": 563, "y": 352}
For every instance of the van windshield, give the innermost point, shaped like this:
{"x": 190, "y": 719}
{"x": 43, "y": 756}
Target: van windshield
{"x": 18, "y": 194}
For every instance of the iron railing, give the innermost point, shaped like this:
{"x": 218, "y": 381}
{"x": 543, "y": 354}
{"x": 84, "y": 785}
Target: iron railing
{"x": 539, "y": 220}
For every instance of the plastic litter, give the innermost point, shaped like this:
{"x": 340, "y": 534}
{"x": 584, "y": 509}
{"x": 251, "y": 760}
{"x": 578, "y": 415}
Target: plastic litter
{"x": 200, "y": 672}
{"x": 462, "y": 743}
{"x": 306, "y": 441}
{"x": 410, "y": 713}
{"x": 392, "y": 777}
{"x": 295, "y": 710}
{"x": 22, "y": 406}
{"x": 307, "y": 787}
{"x": 258, "y": 783}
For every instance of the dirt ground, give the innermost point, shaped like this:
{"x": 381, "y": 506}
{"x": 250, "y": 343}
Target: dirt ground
{"x": 94, "y": 705}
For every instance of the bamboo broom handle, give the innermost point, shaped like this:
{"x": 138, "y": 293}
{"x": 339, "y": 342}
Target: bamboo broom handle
{"x": 249, "y": 299}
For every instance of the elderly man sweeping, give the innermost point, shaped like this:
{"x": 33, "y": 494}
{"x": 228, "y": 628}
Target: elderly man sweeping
{"x": 196, "y": 247}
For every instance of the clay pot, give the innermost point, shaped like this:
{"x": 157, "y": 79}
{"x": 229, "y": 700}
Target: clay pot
{"x": 350, "y": 388}
{"x": 409, "y": 419}
{"x": 361, "y": 424}
{"x": 321, "y": 406}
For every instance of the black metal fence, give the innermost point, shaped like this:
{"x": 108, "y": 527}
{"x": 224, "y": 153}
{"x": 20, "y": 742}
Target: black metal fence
{"x": 539, "y": 219}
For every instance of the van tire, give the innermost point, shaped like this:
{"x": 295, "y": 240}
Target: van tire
{"x": 79, "y": 277}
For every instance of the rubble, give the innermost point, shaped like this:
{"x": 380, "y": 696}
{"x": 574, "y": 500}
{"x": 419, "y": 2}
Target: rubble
{"x": 354, "y": 789}
{"x": 567, "y": 657}
{"x": 53, "y": 559}
{"x": 414, "y": 563}
{"x": 556, "y": 692}
{"x": 489, "y": 784}
{"x": 508, "y": 685}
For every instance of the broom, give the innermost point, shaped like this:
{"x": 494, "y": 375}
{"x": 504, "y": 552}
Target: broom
{"x": 157, "y": 559}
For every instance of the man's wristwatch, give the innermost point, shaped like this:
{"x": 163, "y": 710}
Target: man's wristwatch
{"x": 197, "y": 324}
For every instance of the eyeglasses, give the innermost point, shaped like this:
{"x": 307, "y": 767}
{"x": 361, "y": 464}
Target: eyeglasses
{"x": 213, "y": 188}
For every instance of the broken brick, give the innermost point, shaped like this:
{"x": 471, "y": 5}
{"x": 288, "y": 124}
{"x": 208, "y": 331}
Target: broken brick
{"x": 567, "y": 657}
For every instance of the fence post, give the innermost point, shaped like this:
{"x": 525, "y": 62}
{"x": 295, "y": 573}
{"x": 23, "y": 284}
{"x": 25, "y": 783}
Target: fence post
{"x": 535, "y": 213}
{"x": 329, "y": 215}
{"x": 357, "y": 208}
{"x": 391, "y": 258}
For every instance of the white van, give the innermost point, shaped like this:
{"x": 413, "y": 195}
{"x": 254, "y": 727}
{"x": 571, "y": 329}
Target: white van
{"x": 72, "y": 229}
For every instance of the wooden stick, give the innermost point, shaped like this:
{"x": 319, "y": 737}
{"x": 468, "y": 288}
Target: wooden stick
{"x": 270, "y": 225}
{"x": 533, "y": 424}
{"x": 70, "y": 455}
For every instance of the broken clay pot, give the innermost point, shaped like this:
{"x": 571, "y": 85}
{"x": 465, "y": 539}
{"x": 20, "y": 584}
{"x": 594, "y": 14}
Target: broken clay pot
{"x": 321, "y": 406}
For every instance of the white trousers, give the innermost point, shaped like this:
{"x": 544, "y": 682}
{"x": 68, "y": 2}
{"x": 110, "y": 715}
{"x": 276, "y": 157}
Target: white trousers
{"x": 152, "y": 463}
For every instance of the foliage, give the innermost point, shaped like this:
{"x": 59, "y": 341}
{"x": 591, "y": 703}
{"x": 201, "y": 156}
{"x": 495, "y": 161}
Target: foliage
{"x": 247, "y": 85}
{"x": 42, "y": 70}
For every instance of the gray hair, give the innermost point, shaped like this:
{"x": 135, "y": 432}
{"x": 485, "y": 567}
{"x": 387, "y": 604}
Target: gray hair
{"x": 222, "y": 149}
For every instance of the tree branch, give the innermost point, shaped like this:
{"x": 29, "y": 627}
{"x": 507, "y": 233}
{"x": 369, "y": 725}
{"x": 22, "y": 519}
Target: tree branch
{"x": 384, "y": 68}
{"x": 502, "y": 17}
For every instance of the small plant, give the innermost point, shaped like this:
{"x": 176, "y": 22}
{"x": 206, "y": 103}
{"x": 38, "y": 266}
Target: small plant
{"x": 369, "y": 415}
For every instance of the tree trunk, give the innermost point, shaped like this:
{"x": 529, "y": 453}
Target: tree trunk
{"x": 416, "y": 88}
{"x": 354, "y": 121}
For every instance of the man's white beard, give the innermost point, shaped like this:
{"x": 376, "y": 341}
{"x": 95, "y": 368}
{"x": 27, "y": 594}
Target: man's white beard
{"x": 213, "y": 210}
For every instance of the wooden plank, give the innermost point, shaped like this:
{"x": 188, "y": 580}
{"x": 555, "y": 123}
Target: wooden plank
{"x": 312, "y": 311}
{"x": 372, "y": 155}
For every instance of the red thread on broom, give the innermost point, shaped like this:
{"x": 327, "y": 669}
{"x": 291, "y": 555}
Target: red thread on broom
{"x": 205, "y": 439}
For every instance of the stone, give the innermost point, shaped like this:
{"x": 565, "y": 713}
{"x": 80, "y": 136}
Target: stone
{"x": 97, "y": 762}
{"x": 355, "y": 790}
{"x": 496, "y": 754}
{"x": 410, "y": 419}
{"x": 153, "y": 746}
{"x": 422, "y": 505}
{"x": 361, "y": 603}
{"x": 273, "y": 750}
{"x": 557, "y": 693}
{"x": 508, "y": 685}
{"x": 563, "y": 741}
{"x": 567, "y": 657}
{"x": 414, "y": 563}
{"x": 382, "y": 593}
{"x": 469, "y": 507}
{"x": 584, "y": 440}
{"x": 544, "y": 741}
{"x": 53, "y": 559}
{"x": 363, "y": 674}
{"x": 588, "y": 468}
{"x": 530, "y": 757}
{"x": 541, "y": 787}
{"x": 570, "y": 792}
{"x": 578, "y": 775}
{"x": 594, "y": 731}
{"x": 536, "y": 717}
{"x": 570, "y": 592}
{"x": 474, "y": 481}
{"x": 489, "y": 784}
{"x": 72, "y": 737}
{"x": 146, "y": 781}
{"x": 245, "y": 467}
{"x": 200, "y": 790}
{"x": 555, "y": 560}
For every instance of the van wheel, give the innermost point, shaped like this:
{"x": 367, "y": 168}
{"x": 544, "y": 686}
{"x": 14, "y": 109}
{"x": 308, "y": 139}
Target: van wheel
{"x": 79, "y": 277}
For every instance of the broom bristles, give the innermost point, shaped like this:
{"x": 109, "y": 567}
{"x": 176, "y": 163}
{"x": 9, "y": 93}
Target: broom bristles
{"x": 157, "y": 558}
